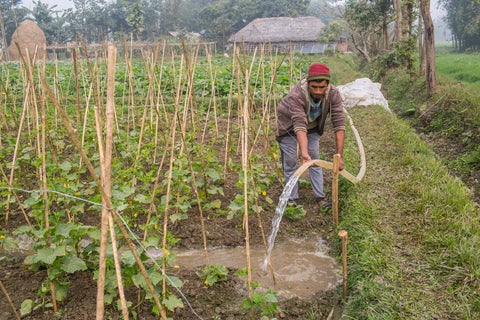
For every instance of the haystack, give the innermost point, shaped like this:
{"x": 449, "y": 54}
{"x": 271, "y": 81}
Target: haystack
{"x": 30, "y": 38}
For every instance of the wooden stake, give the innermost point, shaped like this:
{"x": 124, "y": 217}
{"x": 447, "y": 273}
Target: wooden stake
{"x": 344, "y": 236}
{"x": 9, "y": 301}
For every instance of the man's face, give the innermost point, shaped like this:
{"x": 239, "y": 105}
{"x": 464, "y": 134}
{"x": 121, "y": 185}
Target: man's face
{"x": 317, "y": 89}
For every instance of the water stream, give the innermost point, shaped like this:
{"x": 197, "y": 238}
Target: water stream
{"x": 277, "y": 218}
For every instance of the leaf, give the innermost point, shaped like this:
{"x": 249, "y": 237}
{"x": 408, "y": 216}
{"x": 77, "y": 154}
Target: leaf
{"x": 54, "y": 270}
{"x": 183, "y": 206}
{"x": 152, "y": 241}
{"x": 215, "y": 204}
{"x": 178, "y": 217}
{"x": 155, "y": 277}
{"x": 66, "y": 166}
{"x": 64, "y": 229}
{"x": 235, "y": 207}
{"x": 127, "y": 258}
{"x": 48, "y": 255}
{"x": 26, "y": 307}
{"x": 215, "y": 190}
{"x": 123, "y": 192}
{"x": 139, "y": 281}
{"x": 271, "y": 296}
{"x": 8, "y": 243}
{"x": 141, "y": 198}
{"x": 172, "y": 302}
{"x": 32, "y": 200}
{"x": 213, "y": 174}
{"x": 175, "y": 281}
{"x": 72, "y": 263}
{"x": 60, "y": 291}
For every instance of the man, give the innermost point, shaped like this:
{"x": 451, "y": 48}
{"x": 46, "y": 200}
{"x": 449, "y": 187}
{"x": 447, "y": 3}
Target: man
{"x": 301, "y": 120}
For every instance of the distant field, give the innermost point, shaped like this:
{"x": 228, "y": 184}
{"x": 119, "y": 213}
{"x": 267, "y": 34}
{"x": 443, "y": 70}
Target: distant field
{"x": 463, "y": 67}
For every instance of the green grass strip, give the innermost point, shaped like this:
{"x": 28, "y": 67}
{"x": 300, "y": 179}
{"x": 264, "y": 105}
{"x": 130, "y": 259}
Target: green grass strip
{"x": 414, "y": 231}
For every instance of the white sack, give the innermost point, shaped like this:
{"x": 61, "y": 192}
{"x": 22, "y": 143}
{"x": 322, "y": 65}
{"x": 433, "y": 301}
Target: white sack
{"x": 362, "y": 92}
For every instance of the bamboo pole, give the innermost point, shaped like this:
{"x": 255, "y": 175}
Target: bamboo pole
{"x": 77, "y": 86}
{"x": 45, "y": 196}
{"x": 244, "y": 108}
{"x": 106, "y": 197}
{"x": 169, "y": 178}
{"x": 15, "y": 150}
{"x": 227, "y": 133}
{"x": 12, "y": 306}
{"x": 118, "y": 268}
{"x": 85, "y": 119}
{"x": 190, "y": 72}
{"x": 103, "y": 224}
{"x": 214, "y": 93}
{"x": 106, "y": 162}
{"x": 344, "y": 236}
{"x": 335, "y": 170}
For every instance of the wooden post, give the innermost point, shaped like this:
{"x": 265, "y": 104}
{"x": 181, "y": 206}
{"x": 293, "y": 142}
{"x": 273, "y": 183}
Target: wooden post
{"x": 335, "y": 170}
{"x": 344, "y": 235}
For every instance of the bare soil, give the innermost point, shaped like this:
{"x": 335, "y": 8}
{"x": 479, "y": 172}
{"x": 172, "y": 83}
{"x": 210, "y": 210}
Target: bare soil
{"x": 220, "y": 301}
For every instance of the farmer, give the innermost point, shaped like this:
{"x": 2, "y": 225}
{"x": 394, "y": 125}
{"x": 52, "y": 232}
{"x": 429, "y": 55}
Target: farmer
{"x": 301, "y": 120}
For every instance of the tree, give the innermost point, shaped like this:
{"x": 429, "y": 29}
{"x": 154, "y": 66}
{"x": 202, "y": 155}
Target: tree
{"x": 11, "y": 15}
{"x": 117, "y": 20}
{"x": 89, "y": 19}
{"x": 325, "y": 10}
{"x": 364, "y": 28}
{"x": 169, "y": 21}
{"x": 463, "y": 19}
{"x": 50, "y": 21}
{"x": 135, "y": 18}
{"x": 331, "y": 32}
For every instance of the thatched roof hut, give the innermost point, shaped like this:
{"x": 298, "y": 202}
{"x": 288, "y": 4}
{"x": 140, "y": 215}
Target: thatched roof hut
{"x": 281, "y": 32}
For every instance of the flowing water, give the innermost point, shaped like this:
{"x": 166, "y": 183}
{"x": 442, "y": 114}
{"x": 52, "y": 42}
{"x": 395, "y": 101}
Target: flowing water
{"x": 302, "y": 267}
{"x": 277, "y": 218}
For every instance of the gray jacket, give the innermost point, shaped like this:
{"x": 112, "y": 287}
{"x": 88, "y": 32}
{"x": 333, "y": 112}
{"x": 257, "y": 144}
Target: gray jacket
{"x": 294, "y": 107}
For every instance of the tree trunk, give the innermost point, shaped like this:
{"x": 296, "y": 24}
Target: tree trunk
{"x": 421, "y": 48}
{"x": 363, "y": 52}
{"x": 429, "y": 42}
{"x": 399, "y": 24}
{"x": 386, "y": 38}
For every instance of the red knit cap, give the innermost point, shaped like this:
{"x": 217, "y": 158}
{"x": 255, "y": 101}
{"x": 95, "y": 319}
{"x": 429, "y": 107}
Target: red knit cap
{"x": 318, "y": 71}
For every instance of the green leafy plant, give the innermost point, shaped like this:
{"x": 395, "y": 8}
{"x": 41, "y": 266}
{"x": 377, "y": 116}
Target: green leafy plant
{"x": 295, "y": 212}
{"x": 212, "y": 274}
{"x": 266, "y": 303}
{"x": 58, "y": 250}
{"x": 263, "y": 303}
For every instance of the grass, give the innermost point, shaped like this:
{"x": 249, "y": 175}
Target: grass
{"x": 452, "y": 114}
{"x": 414, "y": 231}
{"x": 462, "y": 67}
